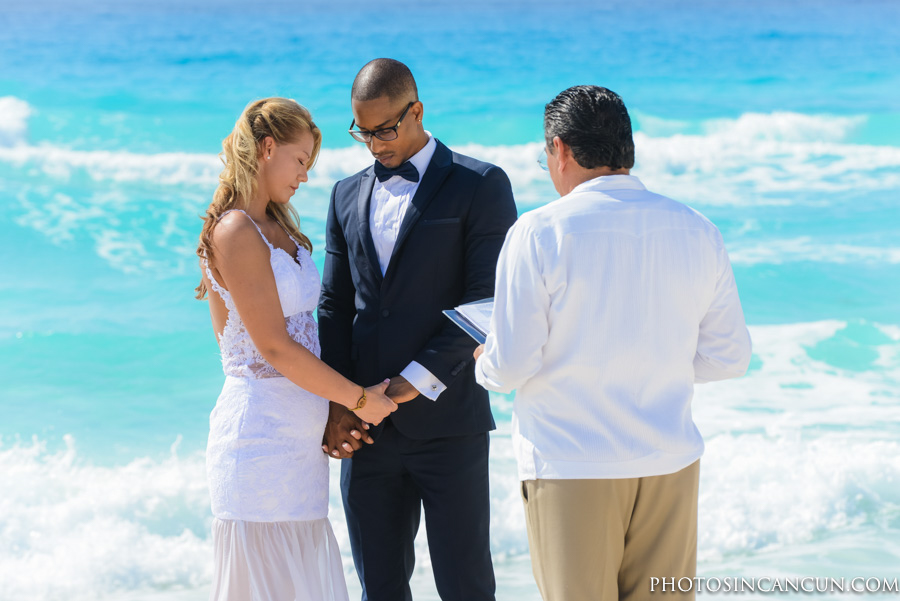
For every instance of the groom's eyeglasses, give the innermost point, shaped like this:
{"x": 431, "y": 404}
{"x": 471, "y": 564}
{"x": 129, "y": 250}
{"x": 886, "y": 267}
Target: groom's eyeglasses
{"x": 386, "y": 134}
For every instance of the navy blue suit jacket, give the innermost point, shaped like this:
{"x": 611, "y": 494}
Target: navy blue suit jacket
{"x": 372, "y": 326}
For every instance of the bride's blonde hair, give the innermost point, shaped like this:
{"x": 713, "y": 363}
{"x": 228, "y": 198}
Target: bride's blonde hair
{"x": 282, "y": 119}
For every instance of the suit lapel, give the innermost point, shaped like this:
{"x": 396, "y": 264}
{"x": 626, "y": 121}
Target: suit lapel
{"x": 434, "y": 176}
{"x": 366, "y": 183}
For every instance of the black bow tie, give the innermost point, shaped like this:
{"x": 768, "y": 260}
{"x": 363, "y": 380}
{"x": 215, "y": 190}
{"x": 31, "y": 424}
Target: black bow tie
{"x": 407, "y": 171}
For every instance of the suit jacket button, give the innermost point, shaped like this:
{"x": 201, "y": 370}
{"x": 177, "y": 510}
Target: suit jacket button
{"x": 385, "y": 313}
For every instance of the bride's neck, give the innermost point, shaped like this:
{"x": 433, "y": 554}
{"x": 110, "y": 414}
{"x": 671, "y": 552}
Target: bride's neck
{"x": 257, "y": 208}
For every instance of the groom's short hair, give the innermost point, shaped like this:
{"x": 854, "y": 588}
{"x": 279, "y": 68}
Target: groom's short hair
{"x": 384, "y": 77}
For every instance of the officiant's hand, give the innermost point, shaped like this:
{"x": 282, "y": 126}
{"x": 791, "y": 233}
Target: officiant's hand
{"x": 344, "y": 432}
{"x": 478, "y": 351}
{"x": 400, "y": 390}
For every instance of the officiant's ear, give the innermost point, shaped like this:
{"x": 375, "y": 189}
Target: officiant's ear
{"x": 562, "y": 152}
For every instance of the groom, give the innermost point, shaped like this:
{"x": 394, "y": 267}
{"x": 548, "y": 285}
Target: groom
{"x": 416, "y": 233}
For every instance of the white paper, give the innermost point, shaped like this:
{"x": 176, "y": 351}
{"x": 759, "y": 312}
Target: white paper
{"x": 478, "y": 314}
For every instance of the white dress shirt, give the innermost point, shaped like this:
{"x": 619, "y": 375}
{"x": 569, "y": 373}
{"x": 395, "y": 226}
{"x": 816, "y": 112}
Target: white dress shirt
{"x": 390, "y": 199}
{"x": 610, "y": 303}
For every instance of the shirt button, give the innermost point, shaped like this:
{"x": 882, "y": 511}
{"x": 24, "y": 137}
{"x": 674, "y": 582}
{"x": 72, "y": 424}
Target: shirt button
{"x": 385, "y": 313}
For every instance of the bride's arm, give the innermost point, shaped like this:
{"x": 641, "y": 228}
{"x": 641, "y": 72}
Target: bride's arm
{"x": 243, "y": 260}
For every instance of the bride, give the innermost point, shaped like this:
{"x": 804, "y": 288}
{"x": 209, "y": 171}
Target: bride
{"x": 268, "y": 477}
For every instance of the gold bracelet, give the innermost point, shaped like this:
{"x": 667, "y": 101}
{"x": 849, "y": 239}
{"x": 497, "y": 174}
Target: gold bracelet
{"x": 362, "y": 400}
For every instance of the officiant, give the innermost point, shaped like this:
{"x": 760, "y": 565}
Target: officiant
{"x": 610, "y": 303}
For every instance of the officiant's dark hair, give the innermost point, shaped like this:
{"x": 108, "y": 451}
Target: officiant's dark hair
{"x": 384, "y": 77}
{"x": 595, "y": 124}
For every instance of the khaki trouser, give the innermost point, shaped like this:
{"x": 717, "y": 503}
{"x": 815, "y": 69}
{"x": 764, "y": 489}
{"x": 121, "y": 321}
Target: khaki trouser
{"x": 603, "y": 540}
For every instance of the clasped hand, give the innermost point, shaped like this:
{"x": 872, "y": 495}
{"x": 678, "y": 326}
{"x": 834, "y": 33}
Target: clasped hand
{"x": 346, "y": 430}
{"x": 378, "y": 405}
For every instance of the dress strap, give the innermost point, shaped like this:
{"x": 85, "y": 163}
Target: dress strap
{"x": 294, "y": 240}
{"x": 220, "y": 290}
{"x": 297, "y": 246}
{"x": 266, "y": 240}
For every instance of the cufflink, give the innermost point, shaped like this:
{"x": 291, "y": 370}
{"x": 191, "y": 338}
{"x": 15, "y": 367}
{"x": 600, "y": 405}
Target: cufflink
{"x": 434, "y": 386}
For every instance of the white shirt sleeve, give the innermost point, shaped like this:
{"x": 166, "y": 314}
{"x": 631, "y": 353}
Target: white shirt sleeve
{"x": 423, "y": 380}
{"x": 513, "y": 351}
{"x": 723, "y": 345}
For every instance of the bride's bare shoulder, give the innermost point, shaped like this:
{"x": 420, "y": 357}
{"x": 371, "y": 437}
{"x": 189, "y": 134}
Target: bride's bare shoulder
{"x": 235, "y": 230}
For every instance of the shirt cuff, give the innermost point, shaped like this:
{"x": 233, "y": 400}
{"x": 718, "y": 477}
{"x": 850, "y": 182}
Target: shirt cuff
{"x": 423, "y": 381}
{"x": 484, "y": 381}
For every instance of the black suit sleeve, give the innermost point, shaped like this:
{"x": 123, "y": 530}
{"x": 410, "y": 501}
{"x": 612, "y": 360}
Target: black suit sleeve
{"x": 491, "y": 214}
{"x": 336, "y": 304}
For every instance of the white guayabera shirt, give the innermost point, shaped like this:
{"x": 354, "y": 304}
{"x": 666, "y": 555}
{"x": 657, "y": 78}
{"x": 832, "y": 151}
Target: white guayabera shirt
{"x": 610, "y": 303}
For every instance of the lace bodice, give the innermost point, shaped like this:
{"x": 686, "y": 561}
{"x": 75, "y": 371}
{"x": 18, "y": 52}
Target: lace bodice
{"x": 298, "y": 287}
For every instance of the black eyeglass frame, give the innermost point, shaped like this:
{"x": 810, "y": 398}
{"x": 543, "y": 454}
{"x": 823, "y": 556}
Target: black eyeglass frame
{"x": 364, "y": 136}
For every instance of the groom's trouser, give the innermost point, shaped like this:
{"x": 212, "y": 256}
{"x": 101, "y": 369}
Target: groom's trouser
{"x": 605, "y": 540}
{"x": 384, "y": 487}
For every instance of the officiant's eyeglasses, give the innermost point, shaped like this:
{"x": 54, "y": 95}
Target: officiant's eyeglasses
{"x": 542, "y": 159}
{"x": 386, "y": 134}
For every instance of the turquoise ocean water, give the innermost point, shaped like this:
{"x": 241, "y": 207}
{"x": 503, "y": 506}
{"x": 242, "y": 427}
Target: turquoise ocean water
{"x": 780, "y": 121}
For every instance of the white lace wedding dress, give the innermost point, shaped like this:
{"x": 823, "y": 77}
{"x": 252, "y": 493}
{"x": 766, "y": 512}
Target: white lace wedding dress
{"x": 268, "y": 476}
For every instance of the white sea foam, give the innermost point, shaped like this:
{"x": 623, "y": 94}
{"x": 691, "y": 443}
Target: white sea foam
{"x": 800, "y": 451}
{"x": 167, "y": 169}
{"x": 732, "y": 160}
{"x": 804, "y": 248}
{"x": 797, "y": 391}
{"x": 765, "y": 159}
{"x": 14, "y": 114}
{"x": 71, "y": 530}
{"x": 760, "y": 494}
{"x": 755, "y": 159}
{"x": 784, "y": 127}
{"x": 801, "y": 457}
{"x": 76, "y": 531}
